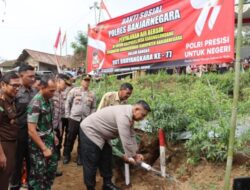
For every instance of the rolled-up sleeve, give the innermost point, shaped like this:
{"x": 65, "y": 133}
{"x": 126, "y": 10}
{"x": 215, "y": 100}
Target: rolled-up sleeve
{"x": 127, "y": 135}
{"x": 33, "y": 111}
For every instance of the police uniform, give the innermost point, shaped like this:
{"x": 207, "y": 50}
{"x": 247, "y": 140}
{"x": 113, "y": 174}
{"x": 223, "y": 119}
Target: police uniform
{"x": 8, "y": 137}
{"x": 78, "y": 106}
{"x": 42, "y": 170}
{"x": 65, "y": 123}
{"x": 58, "y": 109}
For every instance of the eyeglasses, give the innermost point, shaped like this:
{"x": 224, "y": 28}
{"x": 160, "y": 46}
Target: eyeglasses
{"x": 15, "y": 85}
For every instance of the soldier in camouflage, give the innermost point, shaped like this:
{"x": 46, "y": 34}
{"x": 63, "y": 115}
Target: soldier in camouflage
{"x": 80, "y": 103}
{"x": 43, "y": 157}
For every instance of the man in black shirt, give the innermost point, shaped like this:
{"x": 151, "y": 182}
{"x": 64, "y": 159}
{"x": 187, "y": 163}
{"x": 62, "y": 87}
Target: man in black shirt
{"x": 24, "y": 96}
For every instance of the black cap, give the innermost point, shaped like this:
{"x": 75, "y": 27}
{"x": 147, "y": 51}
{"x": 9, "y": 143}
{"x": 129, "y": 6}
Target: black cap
{"x": 86, "y": 77}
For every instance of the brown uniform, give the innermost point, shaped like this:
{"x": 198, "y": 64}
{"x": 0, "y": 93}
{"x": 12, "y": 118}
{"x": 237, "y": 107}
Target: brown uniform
{"x": 8, "y": 137}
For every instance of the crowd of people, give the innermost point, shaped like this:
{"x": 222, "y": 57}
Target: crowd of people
{"x": 40, "y": 114}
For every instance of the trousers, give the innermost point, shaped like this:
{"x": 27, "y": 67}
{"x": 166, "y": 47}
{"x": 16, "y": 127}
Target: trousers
{"x": 73, "y": 132}
{"x": 42, "y": 170}
{"x": 22, "y": 154}
{"x": 94, "y": 158}
{"x": 9, "y": 149}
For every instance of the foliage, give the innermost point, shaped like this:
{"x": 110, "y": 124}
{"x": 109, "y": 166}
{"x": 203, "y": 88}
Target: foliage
{"x": 80, "y": 45}
{"x": 80, "y": 49}
{"x": 199, "y": 105}
{"x": 168, "y": 117}
{"x": 208, "y": 141}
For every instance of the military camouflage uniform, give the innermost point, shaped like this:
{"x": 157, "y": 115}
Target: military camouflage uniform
{"x": 79, "y": 105}
{"x": 42, "y": 171}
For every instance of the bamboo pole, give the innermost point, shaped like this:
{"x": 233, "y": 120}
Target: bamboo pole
{"x": 235, "y": 101}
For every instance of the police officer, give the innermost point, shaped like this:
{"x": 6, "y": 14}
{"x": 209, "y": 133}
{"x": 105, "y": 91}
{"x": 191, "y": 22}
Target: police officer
{"x": 58, "y": 111}
{"x": 111, "y": 99}
{"x": 96, "y": 132}
{"x": 43, "y": 157}
{"x": 80, "y": 103}
{"x": 10, "y": 83}
{"x": 23, "y": 98}
{"x": 64, "y": 120}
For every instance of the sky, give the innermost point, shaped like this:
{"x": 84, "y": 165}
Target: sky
{"x": 34, "y": 24}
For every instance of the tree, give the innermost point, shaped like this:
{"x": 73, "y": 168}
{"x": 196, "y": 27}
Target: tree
{"x": 80, "y": 49}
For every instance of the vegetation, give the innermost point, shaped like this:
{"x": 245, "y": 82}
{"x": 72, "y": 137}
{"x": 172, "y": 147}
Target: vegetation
{"x": 80, "y": 49}
{"x": 188, "y": 103}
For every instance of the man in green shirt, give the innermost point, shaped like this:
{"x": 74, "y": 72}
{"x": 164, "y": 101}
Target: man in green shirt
{"x": 43, "y": 157}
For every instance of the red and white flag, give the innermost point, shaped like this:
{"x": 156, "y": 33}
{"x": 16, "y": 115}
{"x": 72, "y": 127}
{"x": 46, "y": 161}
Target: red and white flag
{"x": 57, "y": 39}
{"x": 103, "y": 6}
{"x": 64, "y": 39}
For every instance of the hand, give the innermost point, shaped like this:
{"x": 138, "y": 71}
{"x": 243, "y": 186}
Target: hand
{"x": 12, "y": 122}
{"x": 60, "y": 131}
{"x": 138, "y": 158}
{"x": 47, "y": 153}
{"x": 56, "y": 141}
{"x": 3, "y": 161}
{"x": 128, "y": 160}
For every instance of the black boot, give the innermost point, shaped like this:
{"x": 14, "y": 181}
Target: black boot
{"x": 79, "y": 161}
{"x": 110, "y": 186}
{"x": 66, "y": 159}
{"x": 59, "y": 173}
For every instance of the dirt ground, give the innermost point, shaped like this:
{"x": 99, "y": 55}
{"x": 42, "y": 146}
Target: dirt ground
{"x": 205, "y": 176}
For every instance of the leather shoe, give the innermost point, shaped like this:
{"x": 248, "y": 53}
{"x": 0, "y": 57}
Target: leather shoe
{"x": 59, "y": 173}
{"x": 79, "y": 162}
{"x": 66, "y": 159}
{"x": 110, "y": 186}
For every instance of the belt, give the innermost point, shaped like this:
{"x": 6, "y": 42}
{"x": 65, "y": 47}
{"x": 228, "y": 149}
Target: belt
{"x": 44, "y": 133}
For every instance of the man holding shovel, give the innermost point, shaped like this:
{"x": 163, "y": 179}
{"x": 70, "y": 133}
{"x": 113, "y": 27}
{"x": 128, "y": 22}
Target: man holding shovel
{"x": 96, "y": 132}
{"x": 112, "y": 99}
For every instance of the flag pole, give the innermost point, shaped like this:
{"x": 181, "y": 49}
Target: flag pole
{"x": 57, "y": 62}
{"x": 58, "y": 40}
{"x": 85, "y": 66}
{"x": 235, "y": 101}
{"x": 100, "y": 11}
{"x": 66, "y": 46}
{"x": 60, "y": 44}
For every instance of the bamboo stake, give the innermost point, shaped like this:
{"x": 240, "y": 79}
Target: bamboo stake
{"x": 235, "y": 101}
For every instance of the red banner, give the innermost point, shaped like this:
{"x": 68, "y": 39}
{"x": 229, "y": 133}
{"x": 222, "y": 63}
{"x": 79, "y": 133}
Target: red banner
{"x": 176, "y": 32}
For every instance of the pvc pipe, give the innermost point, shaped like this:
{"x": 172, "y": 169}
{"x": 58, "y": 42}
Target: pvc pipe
{"x": 146, "y": 166}
{"x": 162, "y": 152}
{"x": 127, "y": 176}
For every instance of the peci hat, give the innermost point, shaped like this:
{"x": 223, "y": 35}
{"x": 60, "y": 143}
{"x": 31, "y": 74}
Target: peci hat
{"x": 86, "y": 77}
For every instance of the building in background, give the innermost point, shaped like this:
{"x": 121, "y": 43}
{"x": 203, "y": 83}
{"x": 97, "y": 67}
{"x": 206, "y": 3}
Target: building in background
{"x": 42, "y": 61}
{"x": 7, "y": 65}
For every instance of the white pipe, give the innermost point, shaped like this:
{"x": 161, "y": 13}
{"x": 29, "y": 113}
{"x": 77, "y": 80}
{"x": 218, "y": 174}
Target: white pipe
{"x": 163, "y": 160}
{"x": 127, "y": 175}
